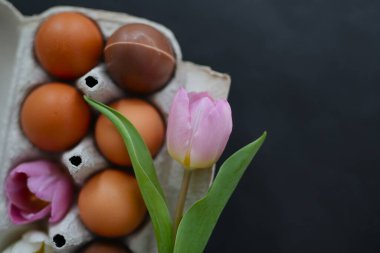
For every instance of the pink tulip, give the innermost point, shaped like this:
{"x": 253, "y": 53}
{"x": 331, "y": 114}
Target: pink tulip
{"x": 198, "y": 129}
{"x": 36, "y": 190}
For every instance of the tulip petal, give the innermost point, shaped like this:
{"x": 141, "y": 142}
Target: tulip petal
{"x": 179, "y": 127}
{"x": 211, "y": 135}
{"x": 37, "y": 238}
{"x": 17, "y": 191}
{"x": 224, "y": 110}
{"x": 199, "y": 108}
{"x": 199, "y": 111}
{"x": 42, "y": 177}
{"x": 43, "y": 187}
{"x": 55, "y": 188}
{"x": 30, "y": 242}
{"x": 35, "y": 168}
{"x": 33, "y": 187}
{"x": 19, "y": 216}
{"x": 195, "y": 96}
{"x": 62, "y": 199}
{"x": 22, "y": 246}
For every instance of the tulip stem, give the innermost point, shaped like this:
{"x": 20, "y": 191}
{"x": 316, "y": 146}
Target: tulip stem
{"x": 182, "y": 199}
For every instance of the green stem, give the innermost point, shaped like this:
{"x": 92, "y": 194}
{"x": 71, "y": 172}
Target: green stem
{"x": 182, "y": 199}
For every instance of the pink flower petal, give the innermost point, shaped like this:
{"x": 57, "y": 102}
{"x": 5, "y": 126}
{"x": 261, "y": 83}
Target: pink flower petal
{"x": 179, "y": 127}
{"x": 36, "y": 168}
{"x": 211, "y": 135}
{"x": 34, "y": 189}
{"x": 224, "y": 110}
{"x": 198, "y": 128}
{"x": 195, "y": 96}
{"x": 22, "y": 217}
{"x": 16, "y": 190}
{"x": 63, "y": 195}
{"x": 199, "y": 109}
{"x": 43, "y": 186}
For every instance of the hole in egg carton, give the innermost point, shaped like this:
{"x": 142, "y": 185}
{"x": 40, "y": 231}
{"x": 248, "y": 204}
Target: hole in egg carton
{"x": 91, "y": 81}
{"x": 83, "y": 160}
{"x": 59, "y": 240}
{"x": 99, "y": 86}
{"x": 69, "y": 234}
{"x": 76, "y": 160}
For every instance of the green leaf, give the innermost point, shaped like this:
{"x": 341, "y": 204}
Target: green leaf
{"x": 145, "y": 174}
{"x": 199, "y": 221}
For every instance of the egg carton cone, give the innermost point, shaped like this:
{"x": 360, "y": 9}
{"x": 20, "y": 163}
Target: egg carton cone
{"x": 83, "y": 160}
{"x": 20, "y": 73}
{"x": 99, "y": 86}
{"x": 69, "y": 234}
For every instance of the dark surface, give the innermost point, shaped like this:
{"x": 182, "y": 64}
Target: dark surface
{"x": 309, "y": 73}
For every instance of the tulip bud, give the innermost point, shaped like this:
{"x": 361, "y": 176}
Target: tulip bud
{"x": 36, "y": 190}
{"x": 31, "y": 242}
{"x": 198, "y": 129}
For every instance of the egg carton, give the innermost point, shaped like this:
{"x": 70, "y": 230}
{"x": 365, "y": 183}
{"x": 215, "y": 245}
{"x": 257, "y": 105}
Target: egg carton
{"x": 20, "y": 73}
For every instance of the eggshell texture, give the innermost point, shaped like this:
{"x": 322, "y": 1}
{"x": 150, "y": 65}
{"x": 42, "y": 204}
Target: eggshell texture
{"x": 105, "y": 247}
{"x": 143, "y": 116}
{"x": 139, "y": 58}
{"x": 110, "y": 204}
{"x": 68, "y": 44}
{"x": 54, "y": 117}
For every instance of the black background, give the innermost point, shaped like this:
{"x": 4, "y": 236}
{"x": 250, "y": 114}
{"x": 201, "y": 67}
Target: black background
{"x": 308, "y": 72}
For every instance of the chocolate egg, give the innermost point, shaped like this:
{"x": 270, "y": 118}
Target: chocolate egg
{"x": 139, "y": 58}
{"x": 54, "y": 117}
{"x": 143, "y": 116}
{"x": 68, "y": 44}
{"x": 110, "y": 204}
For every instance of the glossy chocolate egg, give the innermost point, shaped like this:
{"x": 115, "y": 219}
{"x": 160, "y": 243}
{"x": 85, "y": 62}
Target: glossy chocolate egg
{"x": 68, "y": 45}
{"x": 143, "y": 116}
{"x": 55, "y": 117}
{"x": 139, "y": 58}
{"x": 110, "y": 204}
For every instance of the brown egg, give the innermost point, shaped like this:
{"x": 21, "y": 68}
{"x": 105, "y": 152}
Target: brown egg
{"x": 68, "y": 44}
{"x": 139, "y": 58}
{"x": 105, "y": 247}
{"x": 54, "y": 117}
{"x": 110, "y": 204}
{"x": 143, "y": 116}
